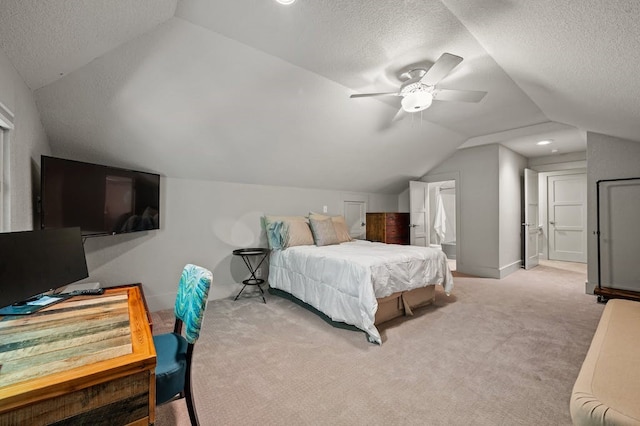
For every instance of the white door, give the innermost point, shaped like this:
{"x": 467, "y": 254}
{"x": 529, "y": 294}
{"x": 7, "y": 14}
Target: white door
{"x": 419, "y": 214}
{"x": 531, "y": 225}
{"x": 568, "y": 217}
{"x": 355, "y": 213}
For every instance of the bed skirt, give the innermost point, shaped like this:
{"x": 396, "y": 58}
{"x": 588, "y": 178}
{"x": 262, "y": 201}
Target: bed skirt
{"x": 401, "y": 303}
{"x": 396, "y": 305}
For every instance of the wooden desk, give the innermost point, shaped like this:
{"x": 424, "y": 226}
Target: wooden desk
{"x": 87, "y": 360}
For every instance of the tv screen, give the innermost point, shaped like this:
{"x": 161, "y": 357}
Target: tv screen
{"x": 33, "y": 262}
{"x": 101, "y": 200}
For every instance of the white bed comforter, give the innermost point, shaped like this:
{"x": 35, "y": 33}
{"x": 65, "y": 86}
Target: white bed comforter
{"x": 343, "y": 281}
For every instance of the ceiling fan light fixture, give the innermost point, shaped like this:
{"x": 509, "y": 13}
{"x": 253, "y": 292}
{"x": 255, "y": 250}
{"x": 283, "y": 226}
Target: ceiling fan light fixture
{"x": 285, "y": 2}
{"x": 417, "y": 101}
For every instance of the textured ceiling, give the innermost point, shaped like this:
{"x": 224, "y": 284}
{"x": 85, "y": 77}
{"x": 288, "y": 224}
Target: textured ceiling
{"x": 365, "y": 45}
{"x": 577, "y": 60}
{"x": 187, "y": 102}
{"x": 46, "y": 39}
{"x": 222, "y": 90}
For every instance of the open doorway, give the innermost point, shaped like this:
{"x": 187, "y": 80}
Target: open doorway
{"x": 434, "y": 204}
{"x": 442, "y": 218}
{"x": 563, "y": 215}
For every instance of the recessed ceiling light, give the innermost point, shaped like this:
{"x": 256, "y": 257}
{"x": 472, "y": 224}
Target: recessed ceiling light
{"x": 545, "y": 142}
{"x": 553, "y": 151}
{"x": 285, "y": 1}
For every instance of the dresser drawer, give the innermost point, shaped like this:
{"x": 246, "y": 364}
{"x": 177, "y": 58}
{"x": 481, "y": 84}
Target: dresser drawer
{"x": 392, "y": 228}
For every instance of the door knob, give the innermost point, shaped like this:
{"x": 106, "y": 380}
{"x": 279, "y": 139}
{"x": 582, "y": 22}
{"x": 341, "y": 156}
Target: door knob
{"x": 552, "y": 223}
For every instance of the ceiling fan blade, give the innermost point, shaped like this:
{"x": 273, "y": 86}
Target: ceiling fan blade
{"x": 459, "y": 95}
{"x": 439, "y": 70}
{"x": 399, "y": 115}
{"x": 368, "y": 95}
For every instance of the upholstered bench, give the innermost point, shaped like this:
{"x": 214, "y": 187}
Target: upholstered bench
{"x": 607, "y": 390}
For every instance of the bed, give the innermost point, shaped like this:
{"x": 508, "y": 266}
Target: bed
{"x": 361, "y": 283}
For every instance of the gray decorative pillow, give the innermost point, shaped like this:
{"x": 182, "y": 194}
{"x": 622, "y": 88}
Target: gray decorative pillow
{"x": 323, "y": 231}
{"x": 339, "y": 224}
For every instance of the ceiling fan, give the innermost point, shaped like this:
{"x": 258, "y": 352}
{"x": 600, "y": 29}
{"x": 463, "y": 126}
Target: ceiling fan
{"x": 419, "y": 88}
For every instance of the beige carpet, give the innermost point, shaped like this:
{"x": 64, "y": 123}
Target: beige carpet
{"x": 496, "y": 352}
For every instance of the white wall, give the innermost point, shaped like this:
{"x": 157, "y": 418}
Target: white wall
{"x": 509, "y": 210}
{"x": 478, "y": 203}
{"x": 404, "y": 202}
{"x": 488, "y": 190}
{"x": 27, "y": 141}
{"x": 549, "y": 163}
{"x": 609, "y": 157}
{"x": 201, "y": 223}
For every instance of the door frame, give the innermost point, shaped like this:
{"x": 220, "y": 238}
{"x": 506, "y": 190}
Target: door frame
{"x": 530, "y": 225}
{"x": 455, "y": 176}
{"x": 424, "y": 189}
{"x": 6, "y": 130}
{"x": 543, "y": 193}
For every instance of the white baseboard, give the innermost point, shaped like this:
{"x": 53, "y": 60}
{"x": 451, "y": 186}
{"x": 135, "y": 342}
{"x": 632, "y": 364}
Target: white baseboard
{"x": 478, "y": 271}
{"x": 510, "y": 269}
{"x": 485, "y": 272}
{"x": 589, "y": 288}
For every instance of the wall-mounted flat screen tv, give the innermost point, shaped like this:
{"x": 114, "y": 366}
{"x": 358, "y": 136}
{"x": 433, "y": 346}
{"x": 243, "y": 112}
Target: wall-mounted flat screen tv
{"x": 100, "y": 200}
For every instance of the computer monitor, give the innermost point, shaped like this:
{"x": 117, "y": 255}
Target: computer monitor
{"x": 34, "y": 262}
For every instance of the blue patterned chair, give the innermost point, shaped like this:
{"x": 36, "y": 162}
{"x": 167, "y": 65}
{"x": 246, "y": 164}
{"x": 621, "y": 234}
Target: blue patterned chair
{"x": 174, "y": 351}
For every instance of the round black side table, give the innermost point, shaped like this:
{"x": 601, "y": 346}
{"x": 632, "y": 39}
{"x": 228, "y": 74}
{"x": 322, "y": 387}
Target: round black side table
{"x": 247, "y": 254}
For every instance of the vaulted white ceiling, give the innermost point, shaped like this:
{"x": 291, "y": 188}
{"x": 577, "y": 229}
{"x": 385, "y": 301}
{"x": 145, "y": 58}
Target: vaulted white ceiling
{"x": 257, "y": 92}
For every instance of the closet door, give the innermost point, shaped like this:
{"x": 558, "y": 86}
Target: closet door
{"x": 354, "y": 215}
{"x": 568, "y": 217}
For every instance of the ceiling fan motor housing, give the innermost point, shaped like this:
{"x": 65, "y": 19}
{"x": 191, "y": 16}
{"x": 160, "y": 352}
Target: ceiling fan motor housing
{"x": 419, "y": 87}
{"x": 416, "y": 96}
{"x": 417, "y": 101}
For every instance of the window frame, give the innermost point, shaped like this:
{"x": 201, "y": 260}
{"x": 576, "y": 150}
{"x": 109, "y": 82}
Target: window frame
{"x": 6, "y": 125}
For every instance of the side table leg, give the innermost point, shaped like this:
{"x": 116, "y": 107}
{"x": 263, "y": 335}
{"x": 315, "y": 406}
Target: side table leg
{"x": 262, "y": 294}
{"x": 238, "y": 295}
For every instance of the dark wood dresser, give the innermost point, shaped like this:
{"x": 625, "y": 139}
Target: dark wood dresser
{"x": 391, "y": 228}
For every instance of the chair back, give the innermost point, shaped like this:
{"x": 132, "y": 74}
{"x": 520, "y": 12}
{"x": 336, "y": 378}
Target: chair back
{"x": 191, "y": 300}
